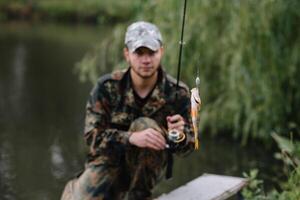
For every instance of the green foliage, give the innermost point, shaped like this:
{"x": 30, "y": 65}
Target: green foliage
{"x": 246, "y": 52}
{"x": 290, "y": 151}
{"x": 102, "y": 11}
{"x": 254, "y": 187}
{"x": 105, "y": 54}
{"x": 291, "y": 188}
{"x": 70, "y": 10}
{"x": 254, "y": 190}
{"x": 290, "y": 155}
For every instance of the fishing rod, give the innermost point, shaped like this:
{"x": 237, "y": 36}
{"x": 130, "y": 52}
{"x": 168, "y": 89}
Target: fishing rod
{"x": 172, "y": 134}
{"x": 181, "y": 43}
{"x": 195, "y": 96}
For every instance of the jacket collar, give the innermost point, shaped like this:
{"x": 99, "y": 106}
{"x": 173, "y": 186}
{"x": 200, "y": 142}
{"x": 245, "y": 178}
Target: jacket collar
{"x": 155, "y": 101}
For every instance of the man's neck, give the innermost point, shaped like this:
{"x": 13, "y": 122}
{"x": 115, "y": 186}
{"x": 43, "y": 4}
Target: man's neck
{"x": 143, "y": 86}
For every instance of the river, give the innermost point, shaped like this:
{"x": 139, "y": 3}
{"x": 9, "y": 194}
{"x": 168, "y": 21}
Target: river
{"x": 42, "y": 105}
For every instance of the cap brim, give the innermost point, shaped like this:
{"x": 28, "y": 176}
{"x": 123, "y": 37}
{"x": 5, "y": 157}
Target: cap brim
{"x": 152, "y": 44}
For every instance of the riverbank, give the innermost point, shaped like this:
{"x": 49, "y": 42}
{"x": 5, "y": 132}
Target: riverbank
{"x": 67, "y": 11}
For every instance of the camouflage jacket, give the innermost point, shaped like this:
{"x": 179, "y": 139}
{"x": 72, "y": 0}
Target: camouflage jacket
{"x": 111, "y": 108}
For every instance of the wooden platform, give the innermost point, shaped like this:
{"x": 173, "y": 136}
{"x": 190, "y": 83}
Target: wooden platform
{"x": 207, "y": 187}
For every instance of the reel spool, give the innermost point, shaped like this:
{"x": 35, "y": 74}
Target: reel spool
{"x": 176, "y": 136}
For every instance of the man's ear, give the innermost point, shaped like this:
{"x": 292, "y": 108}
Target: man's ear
{"x": 126, "y": 54}
{"x": 162, "y": 50}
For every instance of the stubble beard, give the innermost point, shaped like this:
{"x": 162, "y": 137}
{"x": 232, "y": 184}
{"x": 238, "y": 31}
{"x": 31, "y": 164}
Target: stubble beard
{"x": 144, "y": 76}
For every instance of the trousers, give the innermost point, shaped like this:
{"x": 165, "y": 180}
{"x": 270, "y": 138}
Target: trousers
{"x": 132, "y": 178}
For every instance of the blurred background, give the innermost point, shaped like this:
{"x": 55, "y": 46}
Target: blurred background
{"x": 247, "y": 55}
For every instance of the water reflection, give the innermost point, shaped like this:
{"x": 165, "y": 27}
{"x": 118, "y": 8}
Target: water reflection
{"x": 7, "y": 174}
{"x": 41, "y": 113}
{"x": 58, "y": 163}
{"x": 18, "y": 71}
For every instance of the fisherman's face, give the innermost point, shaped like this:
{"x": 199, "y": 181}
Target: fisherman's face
{"x": 143, "y": 61}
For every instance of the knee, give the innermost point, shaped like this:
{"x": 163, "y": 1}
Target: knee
{"x": 96, "y": 180}
{"x": 143, "y": 123}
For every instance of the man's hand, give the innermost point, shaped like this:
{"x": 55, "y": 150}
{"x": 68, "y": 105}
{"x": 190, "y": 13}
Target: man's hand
{"x": 148, "y": 138}
{"x": 175, "y": 122}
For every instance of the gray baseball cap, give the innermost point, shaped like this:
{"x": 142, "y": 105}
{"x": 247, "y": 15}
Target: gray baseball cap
{"x": 143, "y": 34}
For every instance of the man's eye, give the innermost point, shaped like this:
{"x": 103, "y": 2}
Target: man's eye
{"x": 141, "y": 52}
{"x": 151, "y": 53}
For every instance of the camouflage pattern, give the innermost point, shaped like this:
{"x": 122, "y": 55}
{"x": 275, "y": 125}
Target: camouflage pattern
{"x": 143, "y": 34}
{"x": 114, "y": 167}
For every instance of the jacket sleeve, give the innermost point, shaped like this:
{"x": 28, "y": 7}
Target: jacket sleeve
{"x": 97, "y": 132}
{"x": 184, "y": 109}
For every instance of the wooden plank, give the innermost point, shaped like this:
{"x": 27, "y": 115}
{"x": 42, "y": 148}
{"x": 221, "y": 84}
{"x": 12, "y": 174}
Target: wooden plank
{"x": 207, "y": 187}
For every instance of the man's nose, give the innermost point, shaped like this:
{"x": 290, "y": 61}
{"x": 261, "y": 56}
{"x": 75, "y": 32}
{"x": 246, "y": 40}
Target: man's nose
{"x": 146, "y": 58}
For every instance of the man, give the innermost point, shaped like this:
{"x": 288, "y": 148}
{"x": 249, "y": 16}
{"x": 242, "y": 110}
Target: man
{"x": 128, "y": 116}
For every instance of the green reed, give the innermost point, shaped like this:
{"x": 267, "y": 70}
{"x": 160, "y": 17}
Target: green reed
{"x": 247, "y": 53}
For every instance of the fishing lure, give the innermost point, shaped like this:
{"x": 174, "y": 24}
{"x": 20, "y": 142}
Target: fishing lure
{"x": 195, "y": 107}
